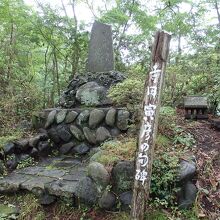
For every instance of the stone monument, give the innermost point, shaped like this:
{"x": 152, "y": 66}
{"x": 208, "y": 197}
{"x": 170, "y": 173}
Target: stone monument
{"x": 101, "y": 56}
{"x": 91, "y": 88}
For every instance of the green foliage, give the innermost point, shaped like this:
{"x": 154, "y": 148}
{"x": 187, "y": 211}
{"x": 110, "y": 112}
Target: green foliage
{"x": 128, "y": 93}
{"x": 163, "y": 180}
{"x": 7, "y": 138}
{"x": 116, "y": 150}
{"x": 26, "y": 163}
{"x": 185, "y": 139}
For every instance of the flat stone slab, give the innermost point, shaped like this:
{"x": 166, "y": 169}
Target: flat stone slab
{"x": 195, "y": 102}
{"x": 59, "y": 176}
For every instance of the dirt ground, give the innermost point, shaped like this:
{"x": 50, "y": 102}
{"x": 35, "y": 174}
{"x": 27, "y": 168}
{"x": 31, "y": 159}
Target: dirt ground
{"x": 207, "y": 153}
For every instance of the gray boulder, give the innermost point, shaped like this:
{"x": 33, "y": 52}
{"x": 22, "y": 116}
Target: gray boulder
{"x": 77, "y": 133}
{"x": 9, "y": 148}
{"x": 53, "y": 135}
{"x": 187, "y": 195}
{"x": 47, "y": 199}
{"x": 82, "y": 118}
{"x": 110, "y": 117}
{"x": 123, "y": 119}
{"x": 12, "y": 162}
{"x": 96, "y": 156}
{"x": 99, "y": 174}
{"x": 91, "y": 94}
{"x": 66, "y": 148}
{"x": 21, "y": 145}
{"x": 61, "y": 115}
{"x": 87, "y": 191}
{"x": 44, "y": 148}
{"x": 123, "y": 176}
{"x": 125, "y": 198}
{"x": 71, "y": 116}
{"x": 34, "y": 141}
{"x": 81, "y": 149}
{"x": 50, "y": 118}
{"x": 102, "y": 134}
{"x": 187, "y": 170}
{"x": 63, "y": 133}
{"x": 90, "y": 135}
{"x": 96, "y": 117}
{"x": 115, "y": 132}
{"x": 107, "y": 200}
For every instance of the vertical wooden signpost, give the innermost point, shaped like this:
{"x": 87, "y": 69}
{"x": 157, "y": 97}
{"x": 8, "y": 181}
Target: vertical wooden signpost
{"x": 149, "y": 124}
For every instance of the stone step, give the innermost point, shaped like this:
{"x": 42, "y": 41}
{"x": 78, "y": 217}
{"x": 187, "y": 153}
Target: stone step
{"x": 57, "y": 176}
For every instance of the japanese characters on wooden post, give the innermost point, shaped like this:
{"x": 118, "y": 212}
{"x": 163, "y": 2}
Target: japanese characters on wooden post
{"x": 148, "y": 129}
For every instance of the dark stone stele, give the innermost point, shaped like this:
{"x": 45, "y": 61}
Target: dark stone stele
{"x": 101, "y": 57}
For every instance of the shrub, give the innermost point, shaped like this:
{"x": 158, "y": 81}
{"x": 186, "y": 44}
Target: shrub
{"x": 128, "y": 93}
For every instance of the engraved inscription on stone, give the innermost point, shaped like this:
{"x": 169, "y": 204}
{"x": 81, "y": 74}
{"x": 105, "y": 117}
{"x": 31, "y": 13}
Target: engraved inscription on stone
{"x": 101, "y": 57}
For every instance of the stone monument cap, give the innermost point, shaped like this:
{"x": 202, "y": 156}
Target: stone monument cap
{"x": 195, "y": 102}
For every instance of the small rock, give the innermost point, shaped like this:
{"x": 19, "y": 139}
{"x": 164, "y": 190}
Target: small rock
{"x": 122, "y": 176}
{"x": 22, "y": 145}
{"x": 115, "y": 132}
{"x": 34, "y": 141}
{"x": 94, "y": 150}
{"x": 71, "y": 116}
{"x": 50, "y": 118}
{"x": 81, "y": 149}
{"x": 9, "y": 148}
{"x": 46, "y": 199}
{"x": 125, "y": 199}
{"x": 82, "y": 118}
{"x": 107, "y": 201}
{"x": 61, "y": 115}
{"x": 43, "y": 134}
{"x": 66, "y": 148}
{"x": 99, "y": 174}
{"x": 187, "y": 170}
{"x": 122, "y": 119}
{"x": 110, "y": 117}
{"x": 53, "y": 134}
{"x": 96, "y": 156}
{"x": 90, "y": 135}
{"x": 187, "y": 195}
{"x": 44, "y": 148}
{"x": 34, "y": 153}
{"x": 63, "y": 133}
{"x": 12, "y": 162}
{"x": 87, "y": 191}
{"x": 102, "y": 134}
{"x": 23, "y": 157}
{"x": 96, "y": 117}
{"x": 77, "y": 133}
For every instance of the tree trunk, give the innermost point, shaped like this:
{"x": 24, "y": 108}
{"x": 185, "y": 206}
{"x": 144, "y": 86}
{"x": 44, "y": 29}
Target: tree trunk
{"x": 149, "y": 124}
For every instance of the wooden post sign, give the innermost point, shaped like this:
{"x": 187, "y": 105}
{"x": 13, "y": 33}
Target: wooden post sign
{"x": 149, "y": 124}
